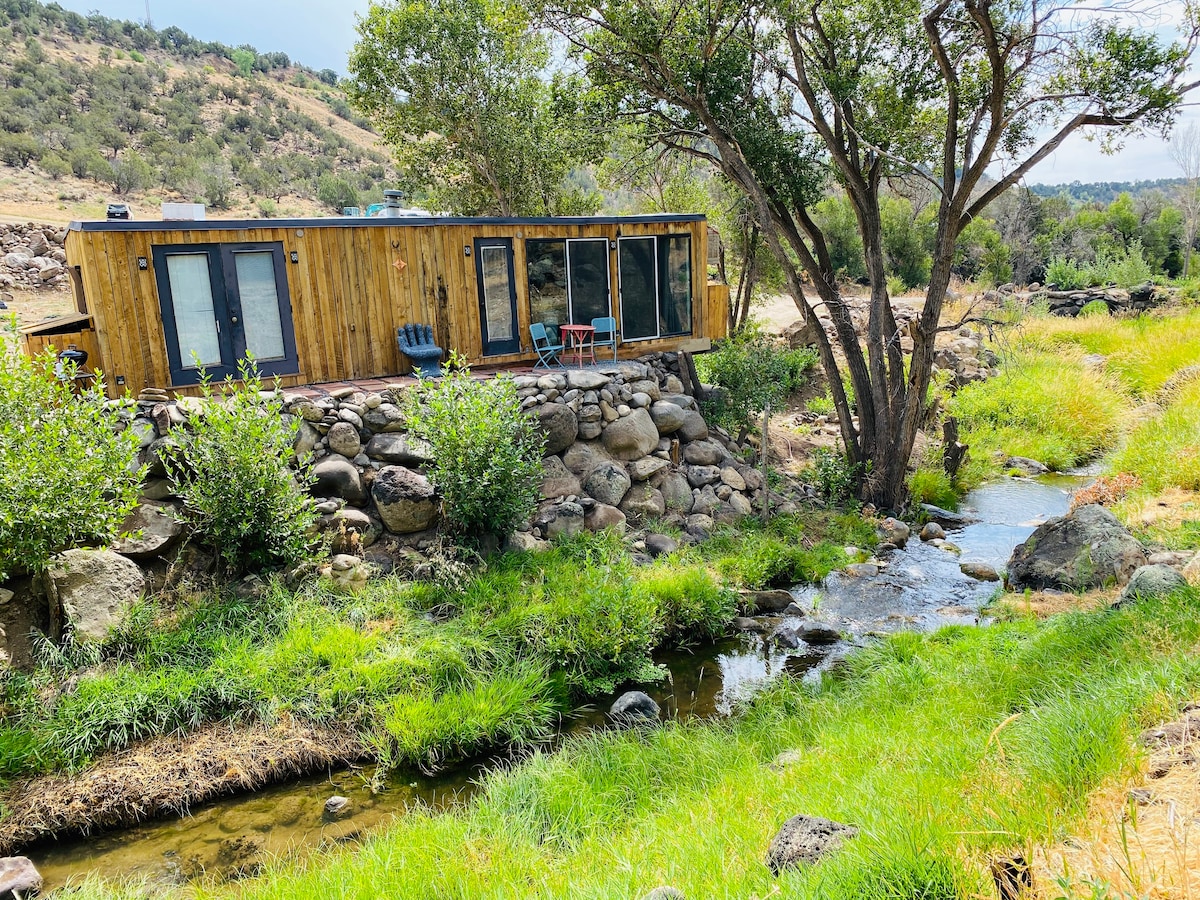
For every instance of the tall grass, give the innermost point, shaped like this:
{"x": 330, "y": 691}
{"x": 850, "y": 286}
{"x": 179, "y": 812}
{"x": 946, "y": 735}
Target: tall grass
{"x": 1045, "y": 406}
{"x": 1142, "y": 352}
{"x": 1164, "y": 451}
{"x": 944, "y": 749}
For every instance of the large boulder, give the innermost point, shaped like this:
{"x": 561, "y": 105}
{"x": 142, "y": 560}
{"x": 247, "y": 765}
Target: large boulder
{"x": 631, "y": 437}
{"x": 694, "y": 428}
{"x": 18, "y": 877}
{"x": 1085, "y": 549}
{"x": 406, "y": 501}
{"x": 704, "y": 453}
{"x": 567, "y": 521}
{"x": 804, "y": 840}
{"x": 336, "y": 476}
{"x": 677, "y": 493}
{"x": 560, "y": 425}
{"x": 643, "y": 502}
{"x": 343, "y": 438}
{"x": 399, "y": 449}
{"x": 557, "y": 480}
{"x": 634, "y": 707}
{"x": 608, "y": 483}
{"x": 668, "y": 418}
{"x": 601, "y": 517}
{"x": 1151, "y": 583}
{"x": 151, "y": 530}
{"x": 583, "y": 456}
{"x": 91, "y": 590}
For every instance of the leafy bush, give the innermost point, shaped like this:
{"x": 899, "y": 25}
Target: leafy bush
{"x": 1094, "y": 308}
{"x": 1066, "y": 274}
{"x": 753, "y": 371}
{"x": 487, "y": 454}
{"x": 233, "y": 474}
{"x": 66, "y": 478}
{"x": 834, "y": 476}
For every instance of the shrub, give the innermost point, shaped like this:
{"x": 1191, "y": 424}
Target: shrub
{"x": 1094, "y": 308}
{"x": 487, "y": 453}
{"x": 1066, "y": 274}
{"x": 753, "y": 371}
{"x": 834, "y": 476}
{"x": 233, "y": 475}
{"x": 932, "y": 485}
{"x": 66, "y": 478}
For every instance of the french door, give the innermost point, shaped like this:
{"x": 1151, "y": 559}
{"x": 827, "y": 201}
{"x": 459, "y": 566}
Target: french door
{"x": 221, "y": 303}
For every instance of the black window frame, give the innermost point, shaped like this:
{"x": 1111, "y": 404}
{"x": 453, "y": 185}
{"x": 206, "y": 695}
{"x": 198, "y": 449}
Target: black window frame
{"x": 227, "y": 310}
{"x": 661, "y": 284}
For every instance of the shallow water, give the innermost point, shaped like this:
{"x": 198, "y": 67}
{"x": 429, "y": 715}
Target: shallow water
{"x": 920, "y": 588}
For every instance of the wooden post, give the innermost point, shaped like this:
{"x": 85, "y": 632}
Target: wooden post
{"x": 766, "y": 510}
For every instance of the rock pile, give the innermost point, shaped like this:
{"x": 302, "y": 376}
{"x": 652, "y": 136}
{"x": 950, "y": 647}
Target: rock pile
{"x": 1069, "y": 302}
{"x": 32, "y": 256}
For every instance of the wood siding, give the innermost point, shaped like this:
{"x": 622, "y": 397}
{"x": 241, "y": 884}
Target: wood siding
{"x": 348, "y": 293}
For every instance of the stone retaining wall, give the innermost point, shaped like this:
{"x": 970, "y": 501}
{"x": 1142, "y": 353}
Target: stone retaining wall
{"x": 32, "y": 256}
{"x": 624, "y": 442}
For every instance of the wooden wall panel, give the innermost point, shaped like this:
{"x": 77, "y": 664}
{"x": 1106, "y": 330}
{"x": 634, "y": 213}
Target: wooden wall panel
{"x": 347, "y": 294}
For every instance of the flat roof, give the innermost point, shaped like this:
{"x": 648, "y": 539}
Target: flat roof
{"x": 370, "y": 222}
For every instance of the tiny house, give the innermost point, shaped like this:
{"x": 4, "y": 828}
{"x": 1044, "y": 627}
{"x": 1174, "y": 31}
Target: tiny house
{"x": 319, "y": 300}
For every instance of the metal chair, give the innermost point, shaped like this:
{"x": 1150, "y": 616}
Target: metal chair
{"x": 606, "y": 333}
{"x": 546, "y": 351}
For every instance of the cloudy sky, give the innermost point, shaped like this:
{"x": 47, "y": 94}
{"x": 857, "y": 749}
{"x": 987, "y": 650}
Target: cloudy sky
{"x": 320, "y": 33}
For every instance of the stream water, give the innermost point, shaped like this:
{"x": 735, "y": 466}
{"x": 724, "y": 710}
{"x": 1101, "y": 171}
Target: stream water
{"x": 921, "y": 588}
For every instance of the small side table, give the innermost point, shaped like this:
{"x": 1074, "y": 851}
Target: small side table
{"x": 580, "y": 340}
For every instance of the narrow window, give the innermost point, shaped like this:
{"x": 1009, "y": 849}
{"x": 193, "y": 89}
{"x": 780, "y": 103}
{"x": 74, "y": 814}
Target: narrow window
{"x": 195, "y": 314}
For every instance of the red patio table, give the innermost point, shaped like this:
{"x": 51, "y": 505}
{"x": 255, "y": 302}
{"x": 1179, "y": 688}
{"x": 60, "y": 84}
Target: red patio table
{"x": 579, "y": 339}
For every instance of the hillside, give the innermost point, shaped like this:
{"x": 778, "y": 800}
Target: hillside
{"x": 94, "y": 110}
{"x": 1105, "y": 191}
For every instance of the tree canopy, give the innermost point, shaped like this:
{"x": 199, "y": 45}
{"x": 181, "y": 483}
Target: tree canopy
{"x": 461, "y": 91}
{"x": 785, "y": 96}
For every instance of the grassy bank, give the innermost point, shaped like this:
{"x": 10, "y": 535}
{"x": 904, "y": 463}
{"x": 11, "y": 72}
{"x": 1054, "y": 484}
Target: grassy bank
{"x": 945, "y": 749}
{"x": 426, "y": 673}
{"x": 1071, "y": 390}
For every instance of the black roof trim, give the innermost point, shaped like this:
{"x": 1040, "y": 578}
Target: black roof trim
{"x": 371, "y": 222}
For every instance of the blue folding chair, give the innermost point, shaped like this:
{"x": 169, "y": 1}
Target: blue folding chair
{"x": 547, "y": 352}
{"x": 606, "y": 333}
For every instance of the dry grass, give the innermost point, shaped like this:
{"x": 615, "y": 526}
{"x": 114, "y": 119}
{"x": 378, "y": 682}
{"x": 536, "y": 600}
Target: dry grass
{"x": 166, "y": 776}
{"x": 1140, "y": 840}
{"x": 1043, "y": 605}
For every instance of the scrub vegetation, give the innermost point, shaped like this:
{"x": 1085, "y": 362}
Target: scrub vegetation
{"x": 425, "y": 673}
{"x": 947, "y": 750}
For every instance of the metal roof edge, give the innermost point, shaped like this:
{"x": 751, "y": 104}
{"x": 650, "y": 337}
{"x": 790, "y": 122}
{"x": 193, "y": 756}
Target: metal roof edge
{"x": 371, "y": 222}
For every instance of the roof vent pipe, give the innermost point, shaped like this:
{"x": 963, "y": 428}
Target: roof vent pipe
{"x": 392, "y": 203}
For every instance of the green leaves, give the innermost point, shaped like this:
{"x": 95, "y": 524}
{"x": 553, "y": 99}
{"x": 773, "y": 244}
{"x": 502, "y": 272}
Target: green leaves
{"x": 67, "y": 476}
{"x": 233, "y": 475}
{"x": 458, "y": 88}
{"x": 487, "y": 452}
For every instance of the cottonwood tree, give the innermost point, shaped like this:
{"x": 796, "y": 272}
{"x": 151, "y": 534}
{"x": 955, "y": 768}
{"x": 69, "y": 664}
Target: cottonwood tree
{"x": 782, "y": 95}
{"x": 1185, "y": 153}
{"x": 459, "y": 89}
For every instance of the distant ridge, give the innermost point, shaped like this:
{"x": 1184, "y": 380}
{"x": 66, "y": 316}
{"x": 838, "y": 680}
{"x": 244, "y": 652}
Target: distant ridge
{"x": 1105, "y": 191}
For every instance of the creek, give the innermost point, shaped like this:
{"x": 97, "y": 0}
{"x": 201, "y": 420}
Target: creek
{"x": 920, "y": 588}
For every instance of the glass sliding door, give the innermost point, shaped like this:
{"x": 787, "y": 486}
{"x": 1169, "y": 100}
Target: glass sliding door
{"x": 194, "y": 316}
{"x": 587, "y": 276}
{"x": 637, "y": 266}
{"x": 497, "y": 296}
{"x": 655, "y": 279}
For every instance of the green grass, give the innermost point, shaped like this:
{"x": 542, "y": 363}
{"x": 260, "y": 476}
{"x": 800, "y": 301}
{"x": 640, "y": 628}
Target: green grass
{"x": 1046, "y": 406}
{"x": 1164, "y": 451}
{"x": 513, "y": 645}
{"x": 1142, "y": 352}
{"x": 943, "y": 749}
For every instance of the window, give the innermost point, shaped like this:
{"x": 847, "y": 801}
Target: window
{"x": 221, "y": 302}
{"x": 568, "y": 280}
{"x": 655, "y": 279}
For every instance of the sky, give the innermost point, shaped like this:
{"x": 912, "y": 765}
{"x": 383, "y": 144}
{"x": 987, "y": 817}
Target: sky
{"x": 320, "y": 33}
